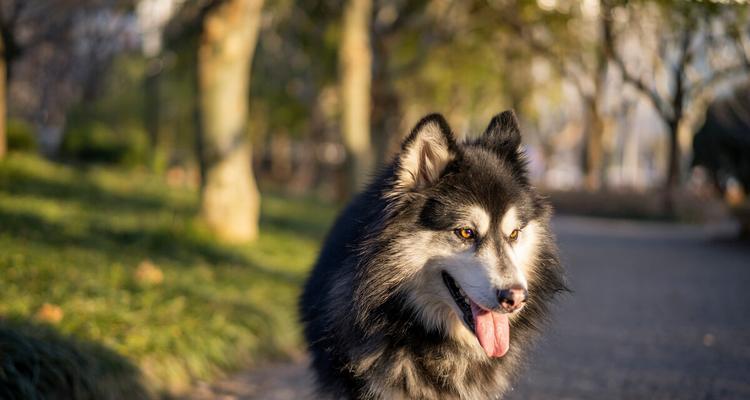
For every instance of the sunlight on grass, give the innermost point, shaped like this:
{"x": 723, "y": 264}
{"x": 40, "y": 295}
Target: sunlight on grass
{"x": 78, "y": 240}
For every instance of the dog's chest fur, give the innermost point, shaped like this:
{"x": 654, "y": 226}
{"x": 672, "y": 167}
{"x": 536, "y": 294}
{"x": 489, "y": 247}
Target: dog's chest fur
{"x": 408, "y": 362}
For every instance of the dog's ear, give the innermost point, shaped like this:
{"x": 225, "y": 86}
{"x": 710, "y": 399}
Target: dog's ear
{"x": 503, "y": 133}
{"x": 425, "y": 153}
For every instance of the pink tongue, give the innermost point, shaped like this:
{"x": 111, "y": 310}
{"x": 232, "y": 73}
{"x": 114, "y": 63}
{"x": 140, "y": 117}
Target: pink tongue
{"x": 493, "y": 331}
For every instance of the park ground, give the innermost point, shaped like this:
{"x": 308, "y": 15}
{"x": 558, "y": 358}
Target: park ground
{"x": 111, "y": 269}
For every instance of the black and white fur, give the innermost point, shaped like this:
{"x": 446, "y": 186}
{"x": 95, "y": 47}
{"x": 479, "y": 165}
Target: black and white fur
{"x": 378, "y": 316}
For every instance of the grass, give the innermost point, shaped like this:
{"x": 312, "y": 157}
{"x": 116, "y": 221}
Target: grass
{"x": 117, "y": 259}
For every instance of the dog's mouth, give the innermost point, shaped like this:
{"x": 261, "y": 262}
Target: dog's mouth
{"x": 492, "y": 328}
{"x": 462, "y": 300}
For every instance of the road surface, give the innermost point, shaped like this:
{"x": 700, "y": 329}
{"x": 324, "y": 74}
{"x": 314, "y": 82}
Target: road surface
{"x": 659, "y": 311}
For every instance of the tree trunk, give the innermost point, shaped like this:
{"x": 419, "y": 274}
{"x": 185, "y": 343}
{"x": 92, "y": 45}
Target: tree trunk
{"x": 673, "y": 166}
{"x": 595, "y": 168}
{"x": 355, "y": 60}
{"x": 594, "y": 146}
{"x": 230, "y": 201}
{"x": 3, "y": 103}
{"x": 673, "y": 125}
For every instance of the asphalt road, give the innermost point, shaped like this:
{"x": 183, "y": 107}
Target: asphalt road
{"x": 658, "y": 311}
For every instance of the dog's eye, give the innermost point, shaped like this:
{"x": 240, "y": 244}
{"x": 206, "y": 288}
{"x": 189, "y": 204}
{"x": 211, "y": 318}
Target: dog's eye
{"x": 465, "y": 233}
{"x": 514, "y": 235}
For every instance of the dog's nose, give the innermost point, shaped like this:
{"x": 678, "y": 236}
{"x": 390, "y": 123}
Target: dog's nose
{"x": 513, "y": 298}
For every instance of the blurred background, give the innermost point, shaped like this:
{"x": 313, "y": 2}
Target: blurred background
{"x": 168, "y": 169}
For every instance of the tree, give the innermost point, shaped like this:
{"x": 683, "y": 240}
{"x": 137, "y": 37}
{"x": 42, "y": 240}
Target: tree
{"x": 576, "y": 47}
{"x": 230, "y": 201}
{"x": 153, "y": 17}
{"x": 693, "y": 42}
{"x": 355, "y": 58}
{"x": 301, "y": 46}
{"x": 294, "y": 80}
{"x": 397, "y": 26}
{"x": 59, "y": 54}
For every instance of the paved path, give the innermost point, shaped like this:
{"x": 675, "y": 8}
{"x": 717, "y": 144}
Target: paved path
{"x": 659, "y": 312}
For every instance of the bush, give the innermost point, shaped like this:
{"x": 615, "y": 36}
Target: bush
{"x": 20, "y": 136}
{"x": 137, "y": 147}
{"x": 93, "y": 141}
{"x": 722, "y": 144}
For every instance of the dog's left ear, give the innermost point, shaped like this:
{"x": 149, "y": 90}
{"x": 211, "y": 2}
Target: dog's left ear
{"x": 425, "y": 153}
{"x": 503, "y": 132}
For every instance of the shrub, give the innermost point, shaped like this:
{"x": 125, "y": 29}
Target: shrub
{"x": 93, "y": 141}
{"x": 20, "y": 136}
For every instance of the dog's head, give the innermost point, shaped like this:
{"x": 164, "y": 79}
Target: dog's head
{"x": 469, "y": 235}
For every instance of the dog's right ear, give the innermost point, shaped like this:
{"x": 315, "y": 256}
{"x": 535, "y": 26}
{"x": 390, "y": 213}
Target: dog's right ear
{"x": 425, "y": 153}
{"x": 503, "y": 132}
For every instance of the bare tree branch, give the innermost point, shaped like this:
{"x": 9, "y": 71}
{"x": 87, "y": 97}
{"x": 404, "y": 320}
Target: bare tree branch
{"x": 565, "y": 68}
{"x": 650, "y": 92}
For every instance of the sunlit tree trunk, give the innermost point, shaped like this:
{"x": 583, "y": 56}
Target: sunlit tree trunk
{"x": 230, "y": 200}
{"x": 595, "y": 151}
{"x": 594, "y": 147}
{"x": 673, "y": 127}
{"x": 355, "y": 58}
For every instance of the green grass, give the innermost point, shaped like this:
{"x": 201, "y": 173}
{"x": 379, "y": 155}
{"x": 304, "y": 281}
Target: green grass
{"x": 74, "y": 238}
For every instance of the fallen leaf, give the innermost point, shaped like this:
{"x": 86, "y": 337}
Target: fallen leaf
{"x": 50, "y": 313}
{"x": 148, "y": 273}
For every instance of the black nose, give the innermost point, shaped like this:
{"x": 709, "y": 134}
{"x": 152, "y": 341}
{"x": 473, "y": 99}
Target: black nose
{"x": 513, "y": 298}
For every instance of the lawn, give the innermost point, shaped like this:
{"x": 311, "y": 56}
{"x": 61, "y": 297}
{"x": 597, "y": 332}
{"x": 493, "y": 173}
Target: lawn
{"x": 116, "y": 264}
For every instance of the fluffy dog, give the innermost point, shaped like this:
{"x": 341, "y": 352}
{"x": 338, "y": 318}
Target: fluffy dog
{"x": 434, "y": 281}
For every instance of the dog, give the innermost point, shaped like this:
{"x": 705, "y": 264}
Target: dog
{"x": 435, "y": 280}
